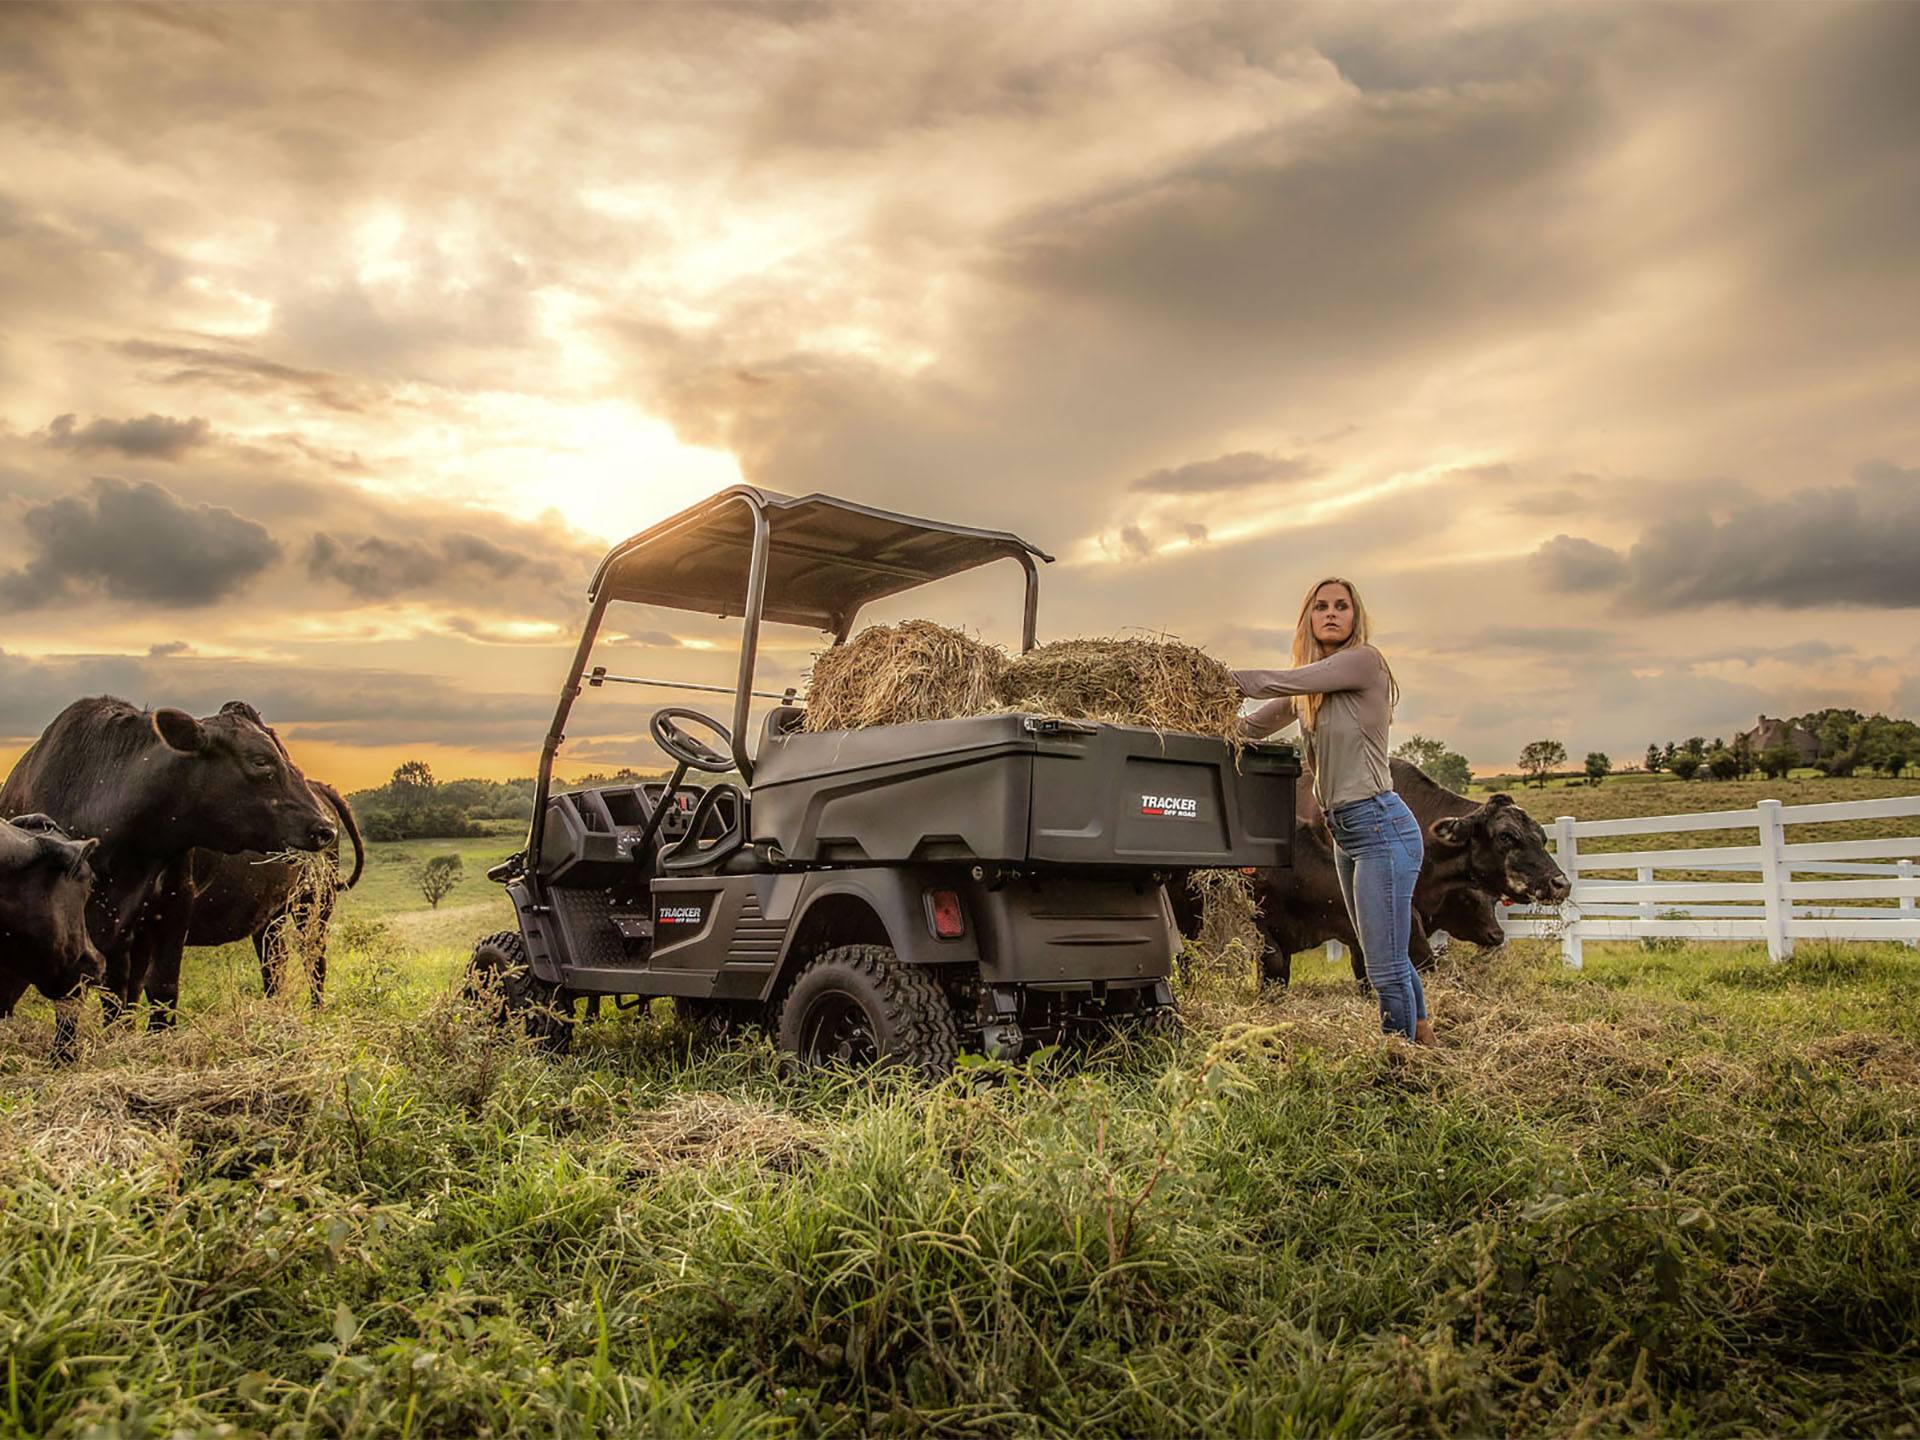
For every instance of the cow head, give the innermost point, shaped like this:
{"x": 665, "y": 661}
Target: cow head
{"x": 46, "y": 881}
{"x": 1506, "y": 851}
{"x": 245, "y": 791}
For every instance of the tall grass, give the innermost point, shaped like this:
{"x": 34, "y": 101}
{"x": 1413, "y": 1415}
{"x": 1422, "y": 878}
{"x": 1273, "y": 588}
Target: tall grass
{"x": 1638, "y": 1200}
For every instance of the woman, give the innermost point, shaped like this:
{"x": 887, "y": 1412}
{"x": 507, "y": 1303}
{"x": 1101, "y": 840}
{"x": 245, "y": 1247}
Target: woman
{"x": 1342, "y": 693}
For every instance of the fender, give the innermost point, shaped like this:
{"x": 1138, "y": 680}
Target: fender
{"x": 896, "y": 894}
{"x": 534, "y": 921}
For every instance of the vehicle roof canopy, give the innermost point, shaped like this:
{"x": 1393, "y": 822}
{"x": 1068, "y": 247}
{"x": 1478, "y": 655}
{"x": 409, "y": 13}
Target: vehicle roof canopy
{"x": 826, "y": 558}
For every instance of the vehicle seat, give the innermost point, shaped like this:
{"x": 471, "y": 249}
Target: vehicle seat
{"x": 781, "y": 721}
{"x": 689, "y": 853}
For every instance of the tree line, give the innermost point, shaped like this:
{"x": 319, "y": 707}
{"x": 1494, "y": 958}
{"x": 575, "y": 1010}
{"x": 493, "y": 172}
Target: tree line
{"x": 413, "y": 805}
{"x": 1845, "y": 742}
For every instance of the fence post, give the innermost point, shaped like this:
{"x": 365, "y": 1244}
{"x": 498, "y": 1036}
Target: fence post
{"x": 1646, "y": 906}
{"x": 1906, "y": 903}
{"x": 1566, "y": 850}
{"x": 1336, "y": 952}
{"x": 1775, "y": 874}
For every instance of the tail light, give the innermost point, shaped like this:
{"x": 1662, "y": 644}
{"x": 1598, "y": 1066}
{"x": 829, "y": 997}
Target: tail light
{"x": 944, "y": 910}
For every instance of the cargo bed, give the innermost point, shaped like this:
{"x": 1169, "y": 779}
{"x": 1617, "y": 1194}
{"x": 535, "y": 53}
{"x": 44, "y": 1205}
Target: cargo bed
{"x": 1023, "y": 790}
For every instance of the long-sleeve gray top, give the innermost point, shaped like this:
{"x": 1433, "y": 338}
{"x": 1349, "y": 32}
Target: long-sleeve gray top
{"x": 1347, "y": 749}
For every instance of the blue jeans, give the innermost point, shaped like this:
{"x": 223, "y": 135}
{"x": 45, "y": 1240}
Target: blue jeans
{"x": 1376, "y": 853}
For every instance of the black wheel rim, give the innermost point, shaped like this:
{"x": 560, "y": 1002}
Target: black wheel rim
{"x": 837, "y": 1031}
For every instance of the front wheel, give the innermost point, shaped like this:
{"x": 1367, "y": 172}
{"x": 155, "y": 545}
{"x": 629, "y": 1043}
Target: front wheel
{"x": 858, "y": 1005}
{"x": 500, "y": 979}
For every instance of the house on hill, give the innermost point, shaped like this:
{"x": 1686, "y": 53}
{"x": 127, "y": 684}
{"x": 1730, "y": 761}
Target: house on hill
{"x": 1769, "y": 733}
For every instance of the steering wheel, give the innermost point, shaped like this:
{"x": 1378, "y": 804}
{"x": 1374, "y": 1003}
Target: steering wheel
{"x": 683, "y": 747}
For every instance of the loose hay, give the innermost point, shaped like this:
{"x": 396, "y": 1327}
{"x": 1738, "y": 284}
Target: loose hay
{"x": 703, "y": 1129}
{"x": 901, "y": 675}
{"x": 300, "y": 933}
{"x": 82, "y": 1122}
{"x": 1158, "y": 683}
{"x": 1229, "y": 935}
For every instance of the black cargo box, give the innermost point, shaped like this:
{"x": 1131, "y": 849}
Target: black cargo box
{"x": 1018, "y": 789}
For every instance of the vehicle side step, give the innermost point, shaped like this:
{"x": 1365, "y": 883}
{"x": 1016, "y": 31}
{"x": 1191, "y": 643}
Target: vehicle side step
{"x": 633, "y": 927}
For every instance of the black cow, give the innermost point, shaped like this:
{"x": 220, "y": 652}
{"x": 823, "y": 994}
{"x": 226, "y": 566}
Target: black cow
{"x": 46, "y": 880}
{"x": 153, "y": 785}
{"x": 238, "y": 897}
{"x": 1477, "y": 853}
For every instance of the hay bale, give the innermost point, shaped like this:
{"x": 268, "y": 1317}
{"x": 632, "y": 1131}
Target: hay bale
{"x": 1159, "y": 683}
{"x": 901, "y": 675}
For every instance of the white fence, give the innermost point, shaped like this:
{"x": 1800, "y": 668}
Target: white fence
{"x": 1771, "y": 891}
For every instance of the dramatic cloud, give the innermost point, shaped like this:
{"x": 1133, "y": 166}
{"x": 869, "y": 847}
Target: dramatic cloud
{"x": 1242, "y": 470}
{"x": 1855, "y": 545}
{"x": 1570, "y": 564}
{"x": 151, "y": 437}
{"x": 375, "y": 568}
{"x": 1850, "y": 545}
{"x": 201, "y": 365}
{"x": 135, "y": 541}
{"x": 1206, "y": 300}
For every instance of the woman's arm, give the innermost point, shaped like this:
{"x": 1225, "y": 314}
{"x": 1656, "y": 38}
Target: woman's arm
{"x": 1353, "y": 669}
{"x": 1270, "y": 718}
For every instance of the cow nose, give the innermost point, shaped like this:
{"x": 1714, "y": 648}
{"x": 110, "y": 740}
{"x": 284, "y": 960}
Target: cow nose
{"x": 1558, "y": 887}
{"x": 322, "y": 834}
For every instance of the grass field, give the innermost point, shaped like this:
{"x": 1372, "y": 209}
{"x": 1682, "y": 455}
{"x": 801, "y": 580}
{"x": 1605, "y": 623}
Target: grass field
{"x": 1674, "y": 1193}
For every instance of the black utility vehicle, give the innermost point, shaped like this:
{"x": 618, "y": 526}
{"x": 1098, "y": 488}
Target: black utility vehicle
{"x": 902, "y": 892}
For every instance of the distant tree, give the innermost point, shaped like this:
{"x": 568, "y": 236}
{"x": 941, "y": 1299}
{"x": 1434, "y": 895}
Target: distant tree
{"x": 1434, "y": 760}
{"x": 1598, "y": 767}
{"x": 1743, "y": 755}
{"x": 1722, "y": 764}
{"x": 438, "y": 877}
{"x": 1653, "y": 757}
{"x": 1538, "y": 758}
{"x": 1685, "y": 764}
{"x": 1777, "y": 761}
{"x": 1666, "y": 756}
{"x": 413, "y": 776}
{"x": 1696, "y": 745}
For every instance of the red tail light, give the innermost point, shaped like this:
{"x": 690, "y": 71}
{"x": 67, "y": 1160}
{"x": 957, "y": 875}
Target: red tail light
{"x": 949, "y": 920}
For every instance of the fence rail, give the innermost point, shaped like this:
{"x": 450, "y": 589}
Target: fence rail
{"x": 1771, "y": 891}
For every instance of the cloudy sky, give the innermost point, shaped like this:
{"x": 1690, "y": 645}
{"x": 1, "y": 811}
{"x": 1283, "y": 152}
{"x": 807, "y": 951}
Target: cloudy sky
{"x": 336, "y": 344}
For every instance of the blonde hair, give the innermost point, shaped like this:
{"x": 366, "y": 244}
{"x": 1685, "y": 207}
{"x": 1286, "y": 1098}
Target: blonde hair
{"x": 1307, "y": 648}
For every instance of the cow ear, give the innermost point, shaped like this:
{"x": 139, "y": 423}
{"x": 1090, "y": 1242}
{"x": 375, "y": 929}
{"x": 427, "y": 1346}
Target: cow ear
{"x": 1449, "y": 831}
{"x": 180, "y": 730}
{"x": 69, "y": 854}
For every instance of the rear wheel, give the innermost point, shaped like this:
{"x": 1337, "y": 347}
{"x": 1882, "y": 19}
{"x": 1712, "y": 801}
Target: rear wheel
{"x": 858, "y": 1005}
{"x": 501, "y": 980}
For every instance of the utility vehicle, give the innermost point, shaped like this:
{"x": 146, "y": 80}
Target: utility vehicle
{"x": 898, "y": 893}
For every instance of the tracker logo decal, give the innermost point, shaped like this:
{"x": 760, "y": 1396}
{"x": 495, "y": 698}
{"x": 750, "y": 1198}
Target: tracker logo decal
{"x": 1170, "y": 807}
{"x": 680, "y": 915}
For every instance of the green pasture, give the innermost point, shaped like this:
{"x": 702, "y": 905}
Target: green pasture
{"x": 1674, "y": 1193}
